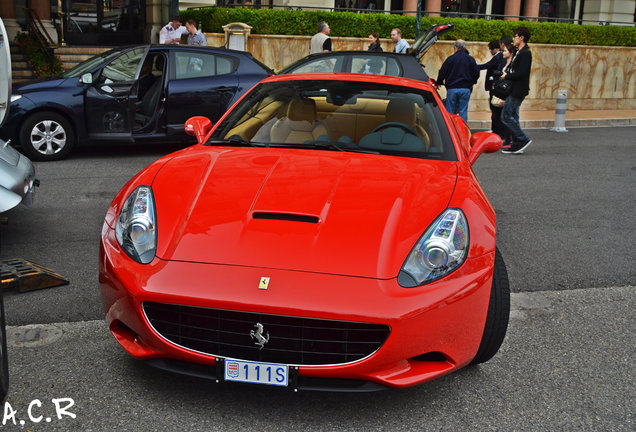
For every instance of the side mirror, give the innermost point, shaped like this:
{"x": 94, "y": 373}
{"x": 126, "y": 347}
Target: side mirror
{"x": 199, "y": 127}
{"x": 483, "y": 142}
{"x": 87, "y": 78}
{"x": 463, "y": 131}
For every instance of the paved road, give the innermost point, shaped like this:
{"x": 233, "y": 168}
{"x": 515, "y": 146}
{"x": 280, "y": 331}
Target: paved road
{"x": 567, "y": 364}
{"x": 566, "y": 229}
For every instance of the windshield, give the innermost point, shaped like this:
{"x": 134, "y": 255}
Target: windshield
{"x": 90, "y": 64}
{"x": 350, "y": 116}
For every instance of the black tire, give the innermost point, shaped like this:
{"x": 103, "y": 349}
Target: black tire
{"x": 46, "y": 136}
{"x": 498, "y": 313}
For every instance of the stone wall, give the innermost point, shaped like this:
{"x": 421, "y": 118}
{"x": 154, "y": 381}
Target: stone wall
{"x": 594, "y": 77}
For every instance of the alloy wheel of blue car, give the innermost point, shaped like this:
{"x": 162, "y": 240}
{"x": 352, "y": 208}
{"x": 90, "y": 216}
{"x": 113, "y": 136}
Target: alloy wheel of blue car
{"x": 46, "y": 136}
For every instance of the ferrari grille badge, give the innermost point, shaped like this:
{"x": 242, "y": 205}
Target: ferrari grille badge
{"x": 264, "y": 283}
{"x": 258, "y": 335}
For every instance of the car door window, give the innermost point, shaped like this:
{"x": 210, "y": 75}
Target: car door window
{"x": 123, "y": 68}
{"x": 377, "y": 65}
{"x": 322, "y": 64}
{"x": 393, "y": 68}
{"x": 196, "y": 65}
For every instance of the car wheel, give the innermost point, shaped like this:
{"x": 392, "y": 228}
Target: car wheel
{"x": 498, "y": 313}
{"x": 46, "y": 136}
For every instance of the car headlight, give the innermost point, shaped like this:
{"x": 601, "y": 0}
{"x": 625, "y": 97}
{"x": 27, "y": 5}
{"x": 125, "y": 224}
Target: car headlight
{"x": 136, "y": 229}
{"x": 15, "y": 97}
{"x": 442, "y": 248}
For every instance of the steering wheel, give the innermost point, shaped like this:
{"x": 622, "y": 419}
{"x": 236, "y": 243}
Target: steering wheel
{"x": 399, "y": 125}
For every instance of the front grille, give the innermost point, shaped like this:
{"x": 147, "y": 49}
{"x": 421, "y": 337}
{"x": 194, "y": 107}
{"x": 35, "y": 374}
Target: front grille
{"x": 292, "y": 340}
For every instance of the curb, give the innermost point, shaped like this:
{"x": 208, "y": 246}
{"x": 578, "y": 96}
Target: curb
{"x": 546, "y": 124}
{"x": 574, "y": 123}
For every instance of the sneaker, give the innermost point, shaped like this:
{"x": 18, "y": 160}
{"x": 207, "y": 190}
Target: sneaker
{"x": 518, "y": 147}
{"x": 506, "y": 145}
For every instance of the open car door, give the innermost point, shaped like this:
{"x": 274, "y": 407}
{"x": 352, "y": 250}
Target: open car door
{"x": 428, "y": 38}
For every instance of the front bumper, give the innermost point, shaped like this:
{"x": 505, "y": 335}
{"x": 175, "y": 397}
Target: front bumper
{"x": 435, "y": 329}
{"x": 17, "y": 178}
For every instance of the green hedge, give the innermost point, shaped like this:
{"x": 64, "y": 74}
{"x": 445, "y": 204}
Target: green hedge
{"x": 288, "y": 22}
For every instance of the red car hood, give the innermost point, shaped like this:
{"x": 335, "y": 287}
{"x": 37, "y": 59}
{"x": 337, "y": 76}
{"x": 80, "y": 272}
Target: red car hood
{"x": 306, "y": 210}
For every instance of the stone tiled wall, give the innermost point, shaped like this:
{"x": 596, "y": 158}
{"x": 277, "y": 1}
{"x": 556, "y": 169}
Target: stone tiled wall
{"x": 594, "y": 77}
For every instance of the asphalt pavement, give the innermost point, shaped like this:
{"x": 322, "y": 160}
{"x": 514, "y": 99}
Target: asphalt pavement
{"x": 565, "y": 228}
{"x": 567, "y": 364}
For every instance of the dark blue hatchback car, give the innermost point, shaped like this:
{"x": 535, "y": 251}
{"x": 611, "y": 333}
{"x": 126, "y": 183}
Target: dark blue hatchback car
{"x": 128, "y": 95}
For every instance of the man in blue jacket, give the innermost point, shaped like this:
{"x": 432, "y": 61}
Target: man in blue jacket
{"x": 519, "y": 74}
{"x": 458, "y": 73}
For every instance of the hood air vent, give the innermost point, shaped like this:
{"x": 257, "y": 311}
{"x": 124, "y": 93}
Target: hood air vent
{"x": 286, "y": 217}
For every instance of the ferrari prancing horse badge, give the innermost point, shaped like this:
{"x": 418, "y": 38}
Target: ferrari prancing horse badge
{"x": 264, "y": 283}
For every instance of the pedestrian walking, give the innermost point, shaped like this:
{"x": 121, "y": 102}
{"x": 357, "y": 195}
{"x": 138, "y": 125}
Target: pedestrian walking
{"x": 195, "y": 37}
{"x": 171, "y": 32}
{"x": 372, "y": 65}
{"x": 519, "y": 73}
{"x": 321, "y": 42}
{"x": 495, "y": 64}
{"x": 401, "y": 45}
{"x": 498, "y": 127}
{"x": 458, "y": 73}
{"x": 374, "y": 42}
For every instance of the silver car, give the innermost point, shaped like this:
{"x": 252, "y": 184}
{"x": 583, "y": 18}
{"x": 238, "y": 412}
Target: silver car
{"x": 17, "y": 174}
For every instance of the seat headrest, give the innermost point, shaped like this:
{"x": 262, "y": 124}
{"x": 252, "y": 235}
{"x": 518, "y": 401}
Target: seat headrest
{"x": 302, "y": 109}
{"x": 159, "y": 63}
{"x": 401, "y": 110}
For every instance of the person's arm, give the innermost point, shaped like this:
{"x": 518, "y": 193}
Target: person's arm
{"x": 475, "y": 70}
{"x": 441, "y": 76}
{"x": 163, "y": 35}
{"x": 522, "y": 62}
{"x": 326, "y": 46}
{"x": 522, "y": 67}
{"x": 493, "y": 63}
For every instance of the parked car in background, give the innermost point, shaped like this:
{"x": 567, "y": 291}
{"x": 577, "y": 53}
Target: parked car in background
{"x": 376, "y": 63}
{"x": 328, "y": 233}
{"x": 17, "y": 173}
{"x": 135, "y": 94}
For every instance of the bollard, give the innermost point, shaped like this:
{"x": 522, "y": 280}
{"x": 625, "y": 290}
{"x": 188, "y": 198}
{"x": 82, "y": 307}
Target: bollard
{"x": 559, "y": 120}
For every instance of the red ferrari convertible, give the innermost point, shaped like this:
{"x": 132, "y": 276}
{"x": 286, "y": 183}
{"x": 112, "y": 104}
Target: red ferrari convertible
{"x": 327, "y": 233}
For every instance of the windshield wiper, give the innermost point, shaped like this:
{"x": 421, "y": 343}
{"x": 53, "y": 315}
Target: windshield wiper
{"x": 324, "y": 145}
{"x": 330, "y": 145}
{"x": 237, "y": 141}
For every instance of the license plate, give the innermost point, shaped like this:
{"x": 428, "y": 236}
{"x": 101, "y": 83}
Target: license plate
{"x": 256, "y": 372}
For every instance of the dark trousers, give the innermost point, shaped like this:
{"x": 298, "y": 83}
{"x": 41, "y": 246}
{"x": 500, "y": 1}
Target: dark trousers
{"x": 510, "y": 118}
{"x": 497, "y": 125}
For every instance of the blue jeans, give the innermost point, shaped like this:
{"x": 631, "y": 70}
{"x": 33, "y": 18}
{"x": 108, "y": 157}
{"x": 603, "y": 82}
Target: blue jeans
{"x": 457, "y": 102}
{"x": 510, "y": 118}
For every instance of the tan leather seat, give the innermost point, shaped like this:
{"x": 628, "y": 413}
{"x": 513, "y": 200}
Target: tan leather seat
{"x": 403, "y": 111}
{"x": 300, "y": 124}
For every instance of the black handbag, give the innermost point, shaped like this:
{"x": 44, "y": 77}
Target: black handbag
{"x": 502, "y": 88}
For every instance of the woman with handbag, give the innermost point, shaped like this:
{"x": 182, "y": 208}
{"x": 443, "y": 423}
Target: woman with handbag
{"x": 497, "y": 100}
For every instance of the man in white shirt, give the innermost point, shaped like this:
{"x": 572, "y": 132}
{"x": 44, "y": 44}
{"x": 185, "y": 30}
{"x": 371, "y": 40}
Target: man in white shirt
{"x": 171, "y": 32}
{"x": 401, "y": 45}
{"x": 321, "y": 42}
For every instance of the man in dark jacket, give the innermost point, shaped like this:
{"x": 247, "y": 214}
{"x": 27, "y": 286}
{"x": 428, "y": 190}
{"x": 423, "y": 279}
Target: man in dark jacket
{"x": 458, "y": 73}
{"x": 496, "y": 63}
{"x": 519, "y": 74}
